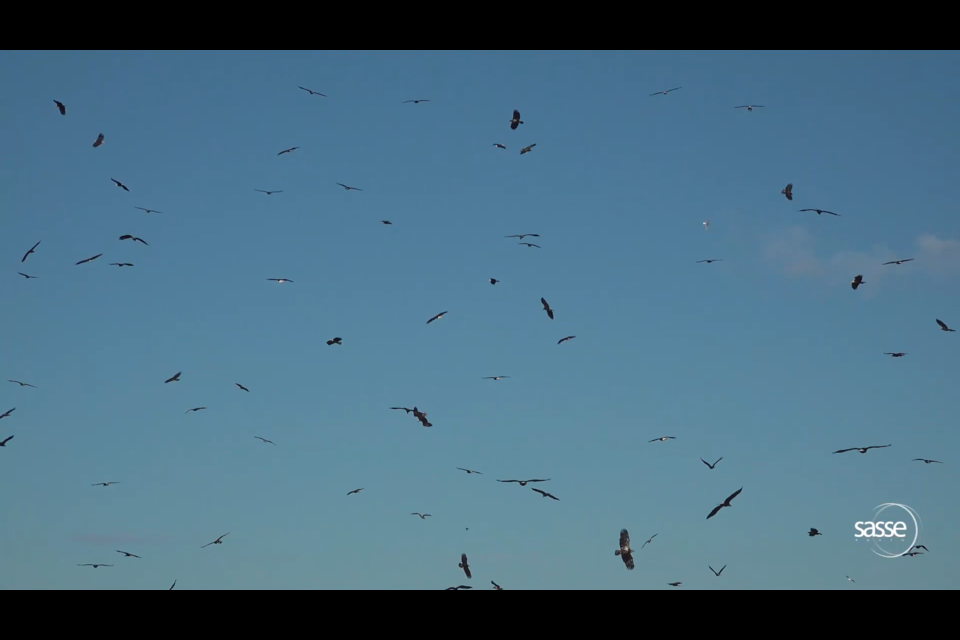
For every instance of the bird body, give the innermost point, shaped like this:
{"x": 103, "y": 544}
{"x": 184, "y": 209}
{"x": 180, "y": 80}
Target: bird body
{"x": 750, "y": 107}
{"x": 898, "y": 354}
{"x": 674, "y": 584}
{"x": 85, "y": 261}
{"x": 423, "y": 516}
{"x": 711, "y": 465}
{"x": 348, "y": 188}
{"x": 119, "y": 184}
{"x": 279, "y": 280}
{"x": 521, "y": 236}
{"x": 32, "y": 250}
{"x": 98, "y": 141}
{"x": 128, "y": 555}
{"x": 788, "y": 191}
{"x": 103, "y": 484}
{"x": 545, "y": 494}
{"x": 265, "y": 441}
{"x": 863, "y": 449}
{"x": 174, "y": 378}
{"x": 498, "y": 145}
{"x": 663, "y": 439}
{"x": 494, "y": 281}
{"x": 288, "y": 150}
{"x": 820, "y": 211}
{"x": 524, "y": 483}
{"x": 241, "y": 387}
{"x": 663, "y": 93}
{"x": 121, "y": 264}
{"x": 134, "y": 238}
{"x": 437, "y": 317}
{"x": 710, "y": 261}
{"x": 61, "y": 107}
{"x": 415, "y": 101}
{"x": 355, "y": 491}
{"x": 856, "y": 282}
{"x": 726, "y": 503}
{"x": 530, "y": 245}
{"x": 562, "y": 340}
{"x": 546, "y": 307}
{"x": 22, "y": 384}
{"x": 624, "y": 551}
{"x": 717, "y": 573}
{"x": 495, "y": 378}
{"x": 515, "y": 121}
{"x": 897, "y": 261}
{"x": 944, "y": 327}
{"x": 469, "y": 471}
{"x": 313, "y": 93}
{"x": 148, "y": 210}
{"x": 334, "y": 341}
{"x": 195, "y": 409}
{"x": 465, "y": 566}
{"x": 813, "y": 533}
{"x": 528, "y": 149}
{"x": 217, "y": 541}
{"x": 95, "y": 566}
{"x": 925, "y": 461}
{"x": 269, "y": 193}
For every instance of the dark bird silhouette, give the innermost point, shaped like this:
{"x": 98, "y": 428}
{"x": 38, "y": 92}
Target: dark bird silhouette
{"x": 288, "y": 150}
{"x": 269, "y": 193}
{"x": 528, "y": 149}
{"x": 174, "y": 378}
{"x": 415, "y": 101}
{"x": 355, "y": 491}
{"x": 98, "y": 141}
{"x": 898, "y": 354}
{"x": 530, "y": 245}
{"x": 401, "y": 409}
{"x": 148, "y": 210}
{"x": 515, "y": 121}
{"x": 913, "y": 554}
{"x": 265, "y": 441}
{"x": 88, "y": 260}
{"x": 546, "y": 307}
{"x": 172, "y": 586}
{"x": 103, "y": 484}
{"x": 22, "y": 384}
{"x": 498, "y": 145}
{"x": 925, "y": 461}
{"x": 649, "y": 540}
{"x": 311, "y": 92}
{"x": 335, "y": 341}
{"x": 469, "y": 471}
{"x": 545, "y": 494}
{"x": 750, "y": 107}
{"x": 863, "y": 449}
{"x": 437, "y": 317}
{"x": 856, "y": 282}
{"x": 121, "y": 264}
{"x": 897, "y": 262}
{"x": 134, "y": 238}
{"x": 7, "y": 413}
{"x": 813, "y": 533}
{"x": 241, "y": 387}
{"x": 562, "y": 340}
{"x": 710, "y": 261}
{"x": 95, "y": 566}
{"x": 674, "y": 584}
{"x": 423, "y": 516}
{"x": 32, "y": 250}
{"x": 385, "y": 222}
{"x": 279, "y": 280}
{"x": 820, "y": 211}
{"x": 496, "y": 587}
{"x": 788, "y": 191}
{"x": 524, "y": 483}
{"x": 8, "y": 439}
{"x": 920, "y": 546}
{"x": 944, "y": 327}
{"x": 349, "y": 188}
{"x": 61, "y": 107}
{"x": 726, "y": 503}
{"x": 625, "y": 552}
{"x": 217, "y": 541}
{"x": 465, "y": 566}
{"x": 129, "y": 555}
{"x": 717, "y": 573}
{"x": 663, "y": 93}
{"x": 26, "y": 276}
{"x": 521, "y": 236}
{"x": 663, "y": 439}
{"x": 494, "y": 281}
{"x": 195, "y": 409}
{"x": 711, "y": 465}
{"x": 460, "y": 588}
{"x": 119, "y": 184}
{"x": 422, "y": 417}
{"x": 495, "y": 378}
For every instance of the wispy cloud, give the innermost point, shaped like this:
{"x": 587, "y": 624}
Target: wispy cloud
{"x": 111, "y": 539}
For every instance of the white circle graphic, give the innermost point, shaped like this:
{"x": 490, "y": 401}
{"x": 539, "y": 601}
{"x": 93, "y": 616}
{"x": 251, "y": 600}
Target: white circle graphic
{"x": 914, "y": 517}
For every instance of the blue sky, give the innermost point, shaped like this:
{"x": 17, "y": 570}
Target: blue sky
{"x": 768, "y": 358}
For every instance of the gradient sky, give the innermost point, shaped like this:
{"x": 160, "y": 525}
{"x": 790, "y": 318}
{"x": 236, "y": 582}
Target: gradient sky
{"x": 768, "y": 358}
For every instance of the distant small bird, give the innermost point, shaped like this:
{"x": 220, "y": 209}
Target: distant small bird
{"x": 717, "y": 573}
{"x": 920, "y": 546}
{"x": 546, "y": 307}
{"x": 649, "y": 540}
{"x": 465, "y": 566}
{"x": 863, "y": 449}
{"x": 494, "y": 281}
{"x": 528, "y": 149}
{"x": 7, "y": 414}
{"x": 335, "y": 341}
{"x": 95, "y": 566}
{"x": 172, "y": 586}
{"x": 498, "y": 145}
{"x": 217, "y": 541}
{"x": 61, "y": 107}
{"x": 706, "y": 225}
{"x": 545, "y": 494}
{"x": 437, "y": 317}
{"x": 279, "y": 280}
{"x": 355, "y": 491}
{"x": 423, "y": 516}
{"x": 524, "y": 483}
{"x": 26, "y": 276}
{"x": 898, "y": 354}
{"x": 103, "y": 484}
{"x": 288, "y": 150}
{"x": 521, "y": 236}
{"x": 562, "y": 340}
{"x": 496, "y": 587}
{"x": 711, "y": 465}
{"x": 241, "y": 387}
{"x": 820, "y": 211}
{"x": 813, "y": 533}
{"x": 98, "y": 141}
{"x": 469, "y": 471}
{"x": 174, "y": 378}
{"x": 944, "y": 327}
{"x": 194, "y": 410}
{"x": 385, "y": 222}
{"x": 121, "y": 264}
{"x": 88, "y": 260}
{"x": 22, "y": 384}
{"x": 625, "y": 552}
{"x": 663, "y": 439}
{"x": 422, "y": 417}
{"x": 134, "y": 238}
{"x": 856, "y": 282}
{"x": 530, "y": 245}
{"x": 148, "y": 210}
{"x": 4, "y": 442}
{"x": 925, "y": 461}
{"x": 726, "y": 503}
{"x": 663, "y": 93}
{"x": 788, "y": 191}
{"x": 750, "y": 107}
{"x": 415, "y": 101}
{"x": 462, "y": 587}
{"x": 897, "y": 262}
{"x": 32, "y": 250}
{"x": 495, "y": 378}
{"x": 311, "y": 92}
{"x": 265, "y": 441}
{"x": 269, "y": 193}
{"x": 849, "y": 579}
{"x": 119, "y": 184}
{"x": 913, "y": 554}
{"x": 128, "y": 555}
{"x": 515, "y": 121}
{"x": 349, "y": 188}
{"x": 674, "y": 584}
{"x": 710, "y": 261}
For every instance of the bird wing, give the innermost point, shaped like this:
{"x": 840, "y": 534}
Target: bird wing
{"x": 845, "y": 450}
{"x": 624, "y": 540}
{"x": 942, "y": 325}
{"x": 734, "y": 494}
{"x": 7, "y": 440}
{"x": 715, "y": 511}
{"x": 466, "y": 565}
{"x": 883, "y": 446}
{"x": 543, "y": 301}
{"x": 516, "y": 114}
{"x": 508, "y": 481}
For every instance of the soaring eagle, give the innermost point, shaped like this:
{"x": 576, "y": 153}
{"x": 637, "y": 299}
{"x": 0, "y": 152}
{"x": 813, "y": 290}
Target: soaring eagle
{"x": 625, "y": 552}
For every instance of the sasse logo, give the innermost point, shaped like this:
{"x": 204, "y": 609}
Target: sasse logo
{"x": 880, "y": 529}
{"x": 900, "y": 535}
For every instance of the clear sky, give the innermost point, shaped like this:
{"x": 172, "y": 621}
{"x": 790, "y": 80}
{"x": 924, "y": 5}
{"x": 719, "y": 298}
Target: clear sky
{"x": 768, "y": 359}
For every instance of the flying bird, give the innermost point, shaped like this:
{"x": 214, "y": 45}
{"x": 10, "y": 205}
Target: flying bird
{"x": 530, "y": 245}
{"x": 129, "y": 555}
{"x": 849, "y": 579}
{"x": 121, "y": 264}
{"x": 706, "y": 226}
{"x": 788, "y": 191}
{"x": 241, "y": 387}
{"x": 495, "y": 378}
{"x": 148, "y": 210}
{"x": 524, "y": 483}
{"x": 496, "y": 587}
{"x": 819, "y": 211}
{"x": 750, "y": 107}
{"x": 465, "y": 566}
{"x": 461, "y": 587}
{"x": 174, "y": 378}
{"x": 925, "y": 461}
{"x": 913, "y": 554}
{"x": 711, "y": 465}
{"x": 515, "y": 121}
{"x": 944, "y": 327}
{"x": 288, "y": 150}
{"x": 863, "y": 449}
{"x": 437, "y": 317}
{"x": 562, "y": 340}
{"x": 663, "y": 93}
{"x": 469, "y": 471}
{"x": 813, "y": 533}
{"x": 119, "y": 184}
{"x": 335, "y": 341}
{"x": 898, "y": 354}
{"x": 172, "y": 586}
{"x": 710, "y": 261}
{"x": 625, "y": 552}
{"x": 717, "y": 573}
{"x": 7, "y": 414}
{"x": 897, "y": 261}
{"x": 355, "y": 491}
{"x": 26, "y": 276}
{"x": 217, "y": 541}
{"x": 414, "y": 101}
{"x": 856, "y": 282}
{"x": 134, "y": 238}
{"x": 349, "y": 188}
{"x": 269, "y": 193}
{"x": 32, "y": 250}
{"x": 194, "y": 410}
{"x": 61, "y": 107}
{"x": 265, "y": 441}
{"x": 521, "y": 236}
{"x": 95, "y": 566}
{"x": 98, "y": 141}
{"x": 726, "y": 503}
{"x": 920, "y": 546}
{"x": 311, "y": 92}
{"x": 498, "y": 145}
{"x": 674, "y": 584}
{"x": 494, "y": 281}
{"x": 22, "y": 384}
{"x": 545, "y": 494}
{"x": 88, "y": 260}
{"x": 528, "y": 149}
{"x": 279, "y": 280}
{"x": 663, "y": 439}
{"x": 8, "y": 439}
{"x": 649, "y": 540}
{"x": 103, "y": 484}
{"x": 423, "y": 516}
{"x": 546, "y": 307}
{"x": 385, "y": 222}
{"x": 422, "y": 417}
